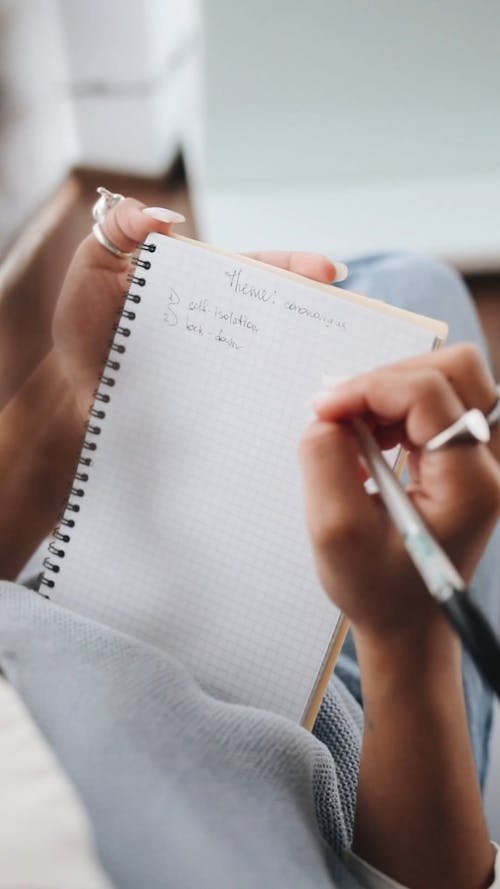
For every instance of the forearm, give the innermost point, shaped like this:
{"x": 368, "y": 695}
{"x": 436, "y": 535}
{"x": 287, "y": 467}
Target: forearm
{"x": 419, "y": 814}
{"x": 40, "y": 436}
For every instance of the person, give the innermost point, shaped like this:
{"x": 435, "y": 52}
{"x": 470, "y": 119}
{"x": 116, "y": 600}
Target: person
{"x": 184, "y": 790}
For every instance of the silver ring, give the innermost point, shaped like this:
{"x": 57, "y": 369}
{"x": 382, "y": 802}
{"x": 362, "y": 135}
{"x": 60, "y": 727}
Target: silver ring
{"x": 471, "y": 428}
{"x": 100, "y": 210}
{"x": 105, "y": 242}
{"x": 105, "y": 203}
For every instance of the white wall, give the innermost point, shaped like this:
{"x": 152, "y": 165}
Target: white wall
{"x": 350, "y": 126}
{"x": 128, "y": 68}
{"x": 337, "y": 90}
{"x": 334, "y": 125}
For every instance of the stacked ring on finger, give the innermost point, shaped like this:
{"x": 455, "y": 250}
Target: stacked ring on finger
{"x": 472, "y": 427}
{"x": 100, "y": 210}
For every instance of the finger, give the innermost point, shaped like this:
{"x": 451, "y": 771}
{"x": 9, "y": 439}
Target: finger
{"x": 126, "y": 225}
{"x": 423, "y": 401}
{"x": 463, "y": 366}
{"x": 421, "y": 398}
{"x": 336, "y": 502}
{"x": 466, "y": 370}
{"x": 309, "y": 265}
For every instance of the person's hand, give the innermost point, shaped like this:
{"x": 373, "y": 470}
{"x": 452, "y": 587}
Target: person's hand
{"x": 361, "y": 559}
{"x": 93, "y": 293}
{"x": 418, "y": 813}
{"x": 92, "y": 297}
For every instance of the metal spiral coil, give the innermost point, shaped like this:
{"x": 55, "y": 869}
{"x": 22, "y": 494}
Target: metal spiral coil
{"x": 60, "y": 536}
{"x": 134, "y": 279}
{"x": 141, "y": 263}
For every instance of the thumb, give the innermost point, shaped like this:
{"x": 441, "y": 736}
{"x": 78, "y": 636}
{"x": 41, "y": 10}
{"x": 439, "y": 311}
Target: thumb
{"x": 127, "y": 224}
{"x": 93, "y": 292}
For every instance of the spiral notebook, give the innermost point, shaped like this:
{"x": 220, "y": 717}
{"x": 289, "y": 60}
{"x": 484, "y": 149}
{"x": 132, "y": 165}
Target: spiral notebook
{"x": 186, "y": 526}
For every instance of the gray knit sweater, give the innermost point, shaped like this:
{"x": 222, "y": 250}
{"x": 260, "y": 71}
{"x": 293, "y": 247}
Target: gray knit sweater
{"x": 183, "y": 791}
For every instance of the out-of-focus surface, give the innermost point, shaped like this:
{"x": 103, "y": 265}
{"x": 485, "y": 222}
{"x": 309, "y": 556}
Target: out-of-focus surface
{"x": 327, "y": 125}
{"x": 37, "y": 133}
{"x": 486, "y": 291}
{"x": 353, "y": 127}
{"x": 82, "y": 82}
{"x": 492, "y": 790}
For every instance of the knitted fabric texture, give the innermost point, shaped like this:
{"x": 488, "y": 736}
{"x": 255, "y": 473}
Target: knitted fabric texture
{"x": 182, "y": 790}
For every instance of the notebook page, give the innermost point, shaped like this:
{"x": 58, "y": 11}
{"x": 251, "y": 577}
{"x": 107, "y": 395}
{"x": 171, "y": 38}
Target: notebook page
{"x": 191, "y": 533}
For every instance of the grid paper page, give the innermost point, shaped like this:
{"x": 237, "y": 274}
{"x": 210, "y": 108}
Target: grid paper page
{"x": 191, "y": 533}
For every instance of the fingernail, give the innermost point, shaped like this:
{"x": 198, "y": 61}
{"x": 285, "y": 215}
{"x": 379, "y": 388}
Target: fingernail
{"x": 371, "y": 486}
{"x": 341, "y": 272}
{"x": 161, "y": 214}
{"x": 330, "y": 382}
{"x": 320, "y": 400}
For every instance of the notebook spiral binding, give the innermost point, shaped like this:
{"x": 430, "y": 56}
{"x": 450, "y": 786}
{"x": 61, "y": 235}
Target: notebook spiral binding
{"x": 60, "y": 536}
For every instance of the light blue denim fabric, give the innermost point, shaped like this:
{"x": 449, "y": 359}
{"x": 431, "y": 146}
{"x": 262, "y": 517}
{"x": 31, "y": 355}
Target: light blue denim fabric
{"x": 431, "y": 288}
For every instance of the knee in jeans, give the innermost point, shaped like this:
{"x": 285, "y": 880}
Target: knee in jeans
{"x": 439, "y": 277}
{"x": 432, "y": 287}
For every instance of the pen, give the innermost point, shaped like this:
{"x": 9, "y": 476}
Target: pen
{"x": 437, "y": 571}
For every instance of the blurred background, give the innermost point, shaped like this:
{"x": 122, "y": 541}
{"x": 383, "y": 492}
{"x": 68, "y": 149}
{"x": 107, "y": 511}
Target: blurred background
{"x": 340, "y": 126}
{"x": 332, "y": 125}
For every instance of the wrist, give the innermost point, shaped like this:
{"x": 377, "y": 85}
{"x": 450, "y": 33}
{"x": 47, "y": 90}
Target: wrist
{"x": 418, "y": 813}
{"x": 40, "y": 437}
{"x": 419, "y": 658}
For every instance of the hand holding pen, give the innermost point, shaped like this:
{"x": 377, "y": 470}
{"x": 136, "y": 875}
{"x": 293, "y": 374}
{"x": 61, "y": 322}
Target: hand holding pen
{"x": 455, "y": 487}
{"x": 418, "y": 811}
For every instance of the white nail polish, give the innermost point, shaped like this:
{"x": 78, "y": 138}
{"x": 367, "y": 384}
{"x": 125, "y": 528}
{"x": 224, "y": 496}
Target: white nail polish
{"x": 371, "y": 486}
{"x": 330, "y": 382}
{"x": 341, "y": 272}
{"x": 321, "y": 399}
{"x": 161, "y": 214}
